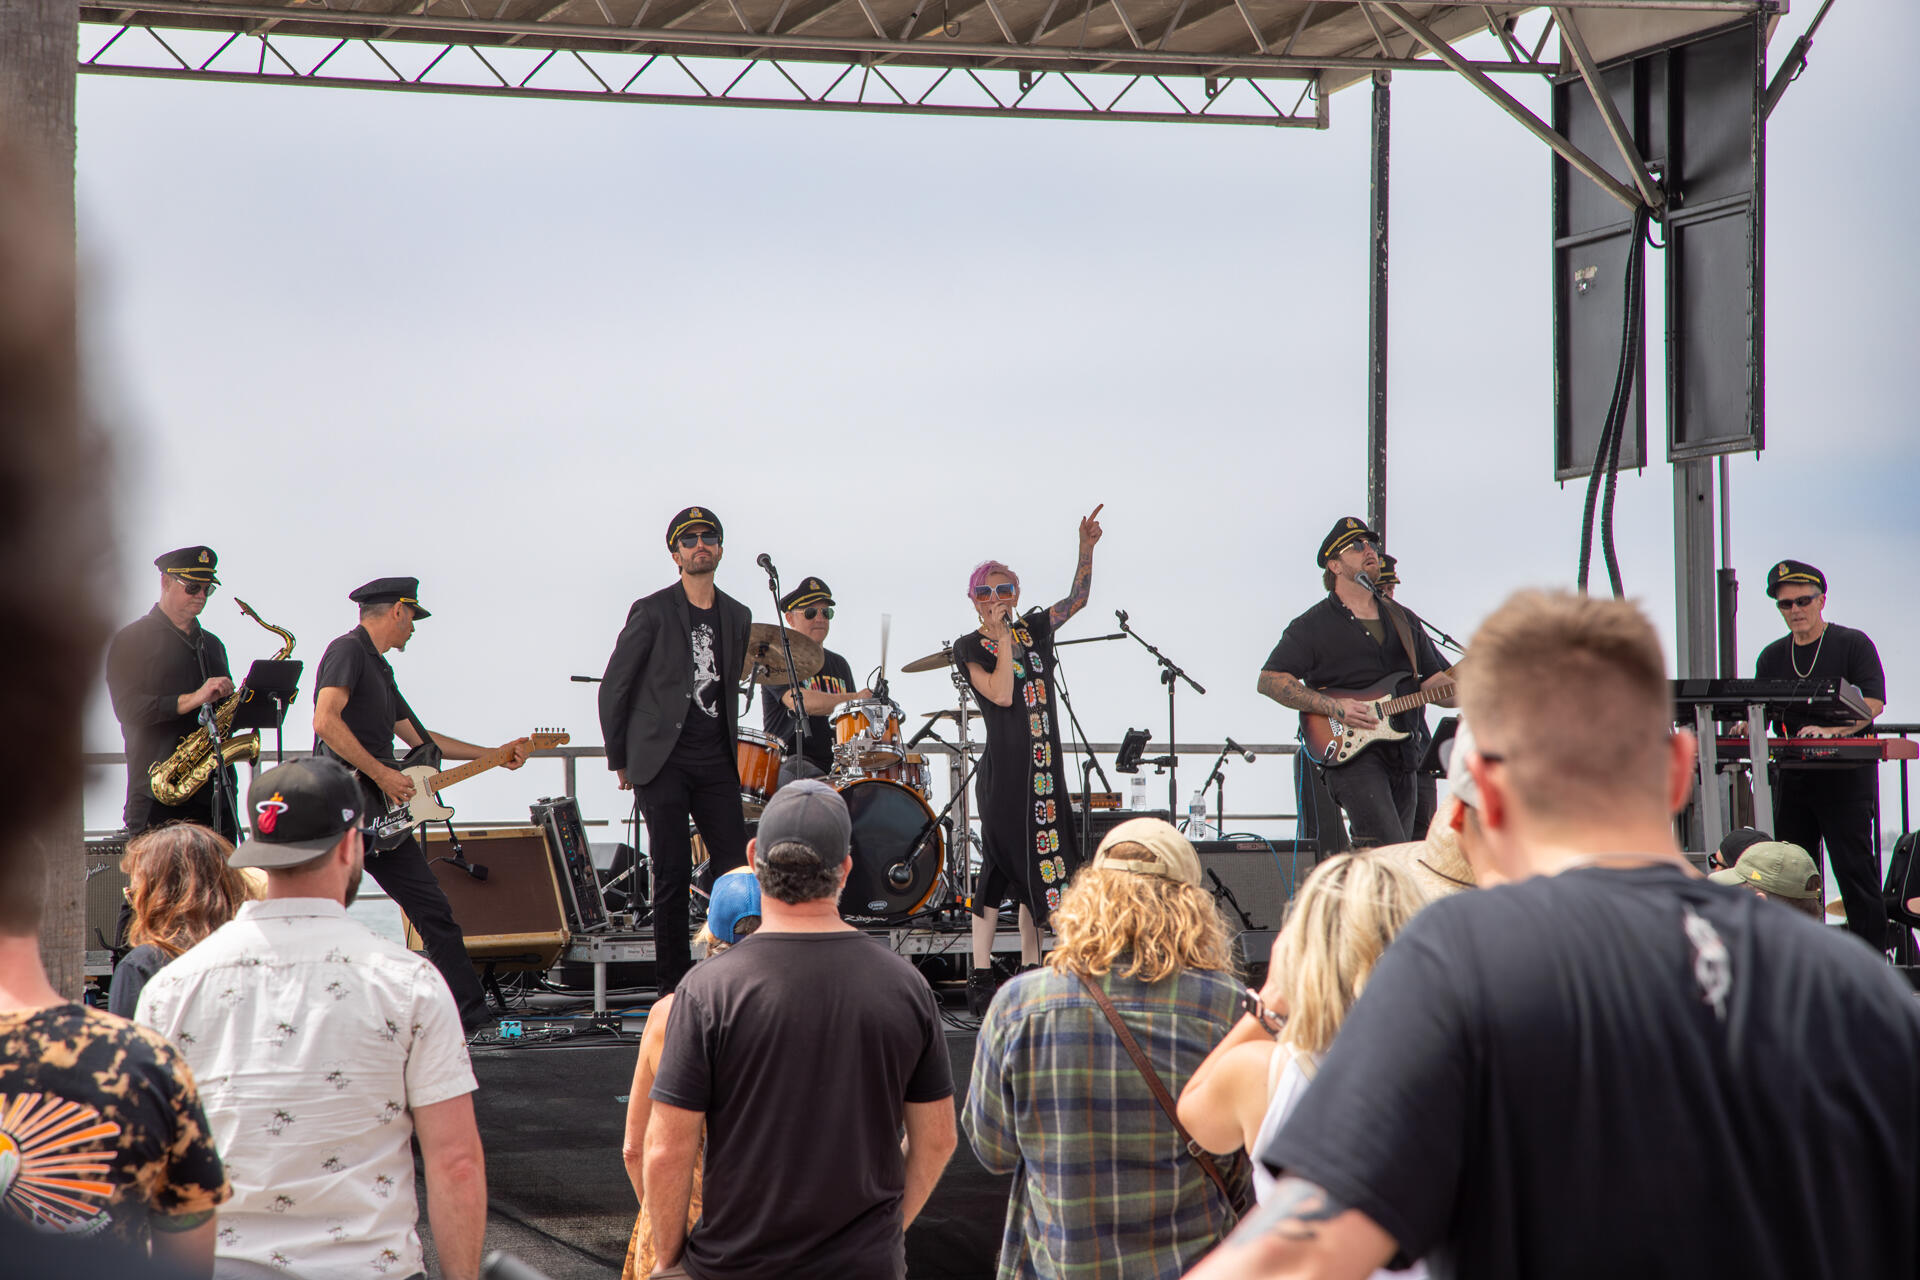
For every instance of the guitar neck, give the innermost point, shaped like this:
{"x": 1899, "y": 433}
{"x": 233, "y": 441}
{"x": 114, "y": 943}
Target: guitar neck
{"x": 1420, "y": 699}
{"x": 493, "y": 758}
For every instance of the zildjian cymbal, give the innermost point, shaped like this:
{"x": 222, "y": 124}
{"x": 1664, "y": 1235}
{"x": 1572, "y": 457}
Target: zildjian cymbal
{"x": 767, "y": 656}
{"x": 932, "y": 662}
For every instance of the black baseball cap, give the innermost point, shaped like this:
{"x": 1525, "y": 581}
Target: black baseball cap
{"x": 391, "y": 591}
{"x": 1737, "y": 841}
{"x": 690, "y": 517}
{"x": 811, "y": 813}
{"x": 299, "y": 809}
{"x": 810, "y": 591}
{"x": 1345, "y": 530}
{"x": 194, "y": 564}
{"x": 1788, "y": 572}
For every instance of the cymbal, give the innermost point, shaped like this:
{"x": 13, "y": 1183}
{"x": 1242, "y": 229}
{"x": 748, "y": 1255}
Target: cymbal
{"x": 932, "y": 662}
{"x": 945, "y": 713}
{"x": 767, "y": 658}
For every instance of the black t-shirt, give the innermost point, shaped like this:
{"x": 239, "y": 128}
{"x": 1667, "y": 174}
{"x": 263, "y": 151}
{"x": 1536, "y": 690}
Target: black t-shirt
{"x": 1839, "y": 652}
{"x": 802, "y": 1049}
{"x": 704, "y": 735}
{"x": 1624, "y": 1073}
{"x": 1327, "y": 647}
{"x": 836, "y": 676}
{"x": 150, "y": 664}
{"x": 374, "y": 704}
{"x": 130, "y": 978}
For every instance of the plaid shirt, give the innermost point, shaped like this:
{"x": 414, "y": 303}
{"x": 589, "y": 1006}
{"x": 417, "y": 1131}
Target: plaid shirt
{"x": 1103, "y": 1187}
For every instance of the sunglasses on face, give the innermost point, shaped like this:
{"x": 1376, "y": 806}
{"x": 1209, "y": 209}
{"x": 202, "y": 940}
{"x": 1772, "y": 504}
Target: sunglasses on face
{"x": 1796, "y": 602}
{"x": 193, "y": 588}
{"x": 810, "y": 613}
{"x": 997, "y": 591}
{"x": 688, "y": 541}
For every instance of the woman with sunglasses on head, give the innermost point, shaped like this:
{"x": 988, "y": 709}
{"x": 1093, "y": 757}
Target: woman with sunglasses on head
{"x": 1026, "y": 822}
{"x": 160, "y": 671}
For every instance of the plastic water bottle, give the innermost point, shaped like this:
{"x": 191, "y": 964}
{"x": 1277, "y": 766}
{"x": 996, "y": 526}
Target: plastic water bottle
{"x": 1139, "y": 792}
{"x": 1197, "y": 816}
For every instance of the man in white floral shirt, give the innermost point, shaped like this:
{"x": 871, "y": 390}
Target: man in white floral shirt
{"x": 321, "y": 1049}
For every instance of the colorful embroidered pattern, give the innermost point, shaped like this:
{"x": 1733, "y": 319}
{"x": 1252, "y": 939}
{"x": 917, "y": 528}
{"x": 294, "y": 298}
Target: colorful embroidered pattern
{"x": 1043, "y": 784}
{"x": 1043, "y": 813}
{"x": 1042, "y": 755}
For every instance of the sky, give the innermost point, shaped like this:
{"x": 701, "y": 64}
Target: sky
{"x": 340, "y": 335}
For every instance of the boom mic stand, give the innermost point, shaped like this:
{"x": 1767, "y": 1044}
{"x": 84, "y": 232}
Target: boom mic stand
{"x": 1092, "y": 764}
{"x": 1217, "y": 779}
{"x": 222, "y": 795}
{"x": 1170, "y": 675}
{"x": 786, "y": 643}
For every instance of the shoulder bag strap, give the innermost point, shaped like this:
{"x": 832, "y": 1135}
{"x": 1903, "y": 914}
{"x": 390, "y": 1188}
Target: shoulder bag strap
{"x": 1160, "y": 1094}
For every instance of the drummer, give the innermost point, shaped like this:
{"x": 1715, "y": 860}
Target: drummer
{"x": 808, "y": 609}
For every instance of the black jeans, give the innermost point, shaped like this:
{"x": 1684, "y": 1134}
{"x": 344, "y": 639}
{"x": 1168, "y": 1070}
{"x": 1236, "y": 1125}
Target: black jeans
{"x": 403, "y": 872}
{"x": 709, "y": 793}
{"x": 1837, "y": 806}
{"x": 1377, "y": 793}
{"x": 1318, "y": 816}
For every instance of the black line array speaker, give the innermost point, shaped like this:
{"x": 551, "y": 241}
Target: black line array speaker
{"x": 1260, "y": 877}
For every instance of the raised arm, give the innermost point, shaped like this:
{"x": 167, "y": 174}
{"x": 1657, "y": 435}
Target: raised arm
{"x": 1076, "y": 598}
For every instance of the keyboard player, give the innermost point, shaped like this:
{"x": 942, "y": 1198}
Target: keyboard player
{"x": 1833, "y": 804}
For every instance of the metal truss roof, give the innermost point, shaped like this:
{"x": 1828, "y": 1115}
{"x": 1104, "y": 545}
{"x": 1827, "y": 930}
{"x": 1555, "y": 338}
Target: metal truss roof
{"x": 1262, "y": 62}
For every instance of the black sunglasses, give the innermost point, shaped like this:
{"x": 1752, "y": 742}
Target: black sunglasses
{"x": 810, "y": 613}
{"x": 193, "y": 588}
{"x": 1796, "y": 602}
{"x": 688, "y": 541}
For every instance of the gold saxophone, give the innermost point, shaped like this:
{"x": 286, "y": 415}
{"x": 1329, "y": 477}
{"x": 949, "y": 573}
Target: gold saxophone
{"x": 192, "y": 762}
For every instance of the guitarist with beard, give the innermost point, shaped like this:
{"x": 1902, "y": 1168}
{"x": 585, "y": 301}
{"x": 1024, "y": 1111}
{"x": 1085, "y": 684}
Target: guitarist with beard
{"x": 357, "y": 713}
{"x": 1353, "y": 640}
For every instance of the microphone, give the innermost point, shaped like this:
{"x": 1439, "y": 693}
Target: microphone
{"x": 477, "y": 870}
{"x": 900, "y": 875}
{"x": 1366, "y": 583}
{"x": 765, "y": 561}
{"x": 1234, "y": 746}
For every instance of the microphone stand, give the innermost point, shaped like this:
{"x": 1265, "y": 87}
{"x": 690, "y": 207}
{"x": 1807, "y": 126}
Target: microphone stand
{"x": 221, "y": 795}
{"x": 1091, "y": 765}
{"x": 1217, "y": 779}
{"x": 793, "y": 677}
{"x": 1170, "y": 675}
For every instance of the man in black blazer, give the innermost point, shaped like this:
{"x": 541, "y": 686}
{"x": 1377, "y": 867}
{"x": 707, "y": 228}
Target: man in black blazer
{"x": 668, "y": 711}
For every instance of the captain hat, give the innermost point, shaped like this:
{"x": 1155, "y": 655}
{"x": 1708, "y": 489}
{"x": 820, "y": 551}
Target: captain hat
{"x": 391, "y": 591}
{"x": 194, "y": 564}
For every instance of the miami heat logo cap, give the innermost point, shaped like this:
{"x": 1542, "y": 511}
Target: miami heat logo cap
{"x": 298, "y": 810}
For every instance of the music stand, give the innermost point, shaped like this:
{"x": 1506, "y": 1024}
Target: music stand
{"x": 271, "y": 688}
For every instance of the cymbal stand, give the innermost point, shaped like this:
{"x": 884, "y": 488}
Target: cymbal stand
{"x": 1170, "y": 675}
{"x": 960, "y": 872}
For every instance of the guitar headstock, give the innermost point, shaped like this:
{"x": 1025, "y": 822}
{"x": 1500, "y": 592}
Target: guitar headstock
{"x": 548, "y": 739}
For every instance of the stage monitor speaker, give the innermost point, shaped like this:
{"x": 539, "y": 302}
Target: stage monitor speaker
{"x": 1105, "y": 820}
{"x": 106, "y": 892}
{"x": 513, "y": 919}
{"x": 1260, "y": 877}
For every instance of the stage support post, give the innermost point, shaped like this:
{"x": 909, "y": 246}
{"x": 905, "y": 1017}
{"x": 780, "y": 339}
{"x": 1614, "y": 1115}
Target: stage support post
{"x": 1695, "y": 589}
{"x": 1377, "y": 310}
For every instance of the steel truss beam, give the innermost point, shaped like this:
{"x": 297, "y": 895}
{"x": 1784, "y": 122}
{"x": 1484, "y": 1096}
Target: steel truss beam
{"x": 273, "y": 57}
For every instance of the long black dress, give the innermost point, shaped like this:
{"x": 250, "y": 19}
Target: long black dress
{"x": 1026, "y": 823}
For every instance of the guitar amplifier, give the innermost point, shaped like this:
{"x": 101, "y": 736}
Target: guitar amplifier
{"x": 514, "y": 918}
{"x": 559, "y": 818}
{"x": 106, "y": 894}
{"x": 1105, "y": 819}
{"x": 1260, "y": 878}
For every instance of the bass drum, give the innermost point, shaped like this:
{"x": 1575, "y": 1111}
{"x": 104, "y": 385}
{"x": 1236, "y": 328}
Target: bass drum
{"x": 889, "y": 879}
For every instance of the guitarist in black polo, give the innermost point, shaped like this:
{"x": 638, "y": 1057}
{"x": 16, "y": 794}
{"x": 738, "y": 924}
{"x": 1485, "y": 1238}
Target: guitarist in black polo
{"x": 357, "y": 713}
{"x": 1353, "y": 641}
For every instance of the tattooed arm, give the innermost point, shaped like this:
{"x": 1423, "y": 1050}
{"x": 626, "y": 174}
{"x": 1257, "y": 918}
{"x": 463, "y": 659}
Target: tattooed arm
{"x": 1076, "y": 599}
{"x": 1301, "y": 1231}
{"x": 1287, "y": 690}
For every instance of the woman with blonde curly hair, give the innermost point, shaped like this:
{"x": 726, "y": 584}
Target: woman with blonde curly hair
{"x": 1105, "y": 1179}
{"x": 1343, "y": 918}
{"x": 180, "y": 889}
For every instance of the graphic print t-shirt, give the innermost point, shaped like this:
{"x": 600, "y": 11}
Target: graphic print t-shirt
{"x": 703, "y": 735}
{"x": 100, "y": 1126}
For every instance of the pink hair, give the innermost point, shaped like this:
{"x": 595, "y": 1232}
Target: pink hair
{"x": 986, "y": 569}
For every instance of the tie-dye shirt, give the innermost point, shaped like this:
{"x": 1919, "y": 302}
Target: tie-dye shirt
{"x": 101, "y": 1128}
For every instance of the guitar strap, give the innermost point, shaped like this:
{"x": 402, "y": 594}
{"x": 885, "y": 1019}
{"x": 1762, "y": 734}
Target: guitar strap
{"x": 1398, "y": 617}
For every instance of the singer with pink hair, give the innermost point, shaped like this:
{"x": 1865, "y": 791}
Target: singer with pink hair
{"x": 1026, "y": 823}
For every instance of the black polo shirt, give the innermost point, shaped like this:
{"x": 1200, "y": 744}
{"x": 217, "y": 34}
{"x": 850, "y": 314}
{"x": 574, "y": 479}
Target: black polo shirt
{"x": 150, "y": 664}
{"x": 374, "y": 704}
{"x": 1327, "y": 647}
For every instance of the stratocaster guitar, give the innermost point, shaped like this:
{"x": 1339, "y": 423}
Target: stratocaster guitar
{"x": 1334, "y": 742}
{"x": 393, "y": 821}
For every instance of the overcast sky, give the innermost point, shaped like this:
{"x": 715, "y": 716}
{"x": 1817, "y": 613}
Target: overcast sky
{"x": 496, "y": 344}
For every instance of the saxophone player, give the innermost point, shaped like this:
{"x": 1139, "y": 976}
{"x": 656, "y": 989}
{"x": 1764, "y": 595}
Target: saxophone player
{"x": 160, "y": 671}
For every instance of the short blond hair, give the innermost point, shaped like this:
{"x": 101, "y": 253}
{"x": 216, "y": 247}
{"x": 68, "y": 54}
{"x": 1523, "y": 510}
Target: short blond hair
{"x": 1571, "y": 692}
{"x": 1163, "y": 925}
{"x": 1341, "y": 921}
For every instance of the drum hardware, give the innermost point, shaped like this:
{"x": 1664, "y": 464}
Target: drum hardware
{"x": 868, "y": 731}
{"x": 767, "y": 647}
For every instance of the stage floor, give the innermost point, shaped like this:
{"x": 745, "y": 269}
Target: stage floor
{"x": 558, "y": 1196}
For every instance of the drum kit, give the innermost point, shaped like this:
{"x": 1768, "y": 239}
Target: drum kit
{"x": 899, "y": 846}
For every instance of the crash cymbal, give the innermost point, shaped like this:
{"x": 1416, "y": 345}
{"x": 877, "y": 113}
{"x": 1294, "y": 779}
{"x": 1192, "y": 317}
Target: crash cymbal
{"x": 946, "y": 713}
{"x": 932, "y": 662}
{"x": 767, "y": 657}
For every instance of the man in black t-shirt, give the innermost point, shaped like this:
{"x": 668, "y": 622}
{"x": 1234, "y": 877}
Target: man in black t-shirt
{"x": 669, "y": 712}
{"x": 357, "y": 713}
{"x": 160, "y": 671}
{"x": 1830, "y": 804}
{"x": 803, "y": 1053}
{"x": 808, "y": 609}
{"x": 1608, "y": 1067}
{"x": 1354, "y": 642}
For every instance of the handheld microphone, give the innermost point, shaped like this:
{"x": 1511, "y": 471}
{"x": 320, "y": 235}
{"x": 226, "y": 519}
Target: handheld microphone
{"x": 765, "y": 561}
{"x": 1234, "y": 746}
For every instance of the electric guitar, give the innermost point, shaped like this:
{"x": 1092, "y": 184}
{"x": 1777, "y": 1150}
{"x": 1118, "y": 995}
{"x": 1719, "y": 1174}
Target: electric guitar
{"x": 1333, "y": 742}
{"x": 393, "y": 821}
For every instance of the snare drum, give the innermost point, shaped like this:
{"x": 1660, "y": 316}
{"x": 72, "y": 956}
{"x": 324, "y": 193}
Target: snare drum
{"x": 758, "y": 756}
{"x": 895, "y": 871}
{"x": 867, "y": 733}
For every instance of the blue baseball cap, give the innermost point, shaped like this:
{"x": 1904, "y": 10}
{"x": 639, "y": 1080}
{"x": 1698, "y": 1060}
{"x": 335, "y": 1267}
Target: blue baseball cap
{"x": 736, "y": 895}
